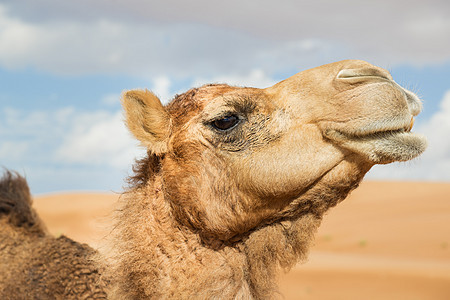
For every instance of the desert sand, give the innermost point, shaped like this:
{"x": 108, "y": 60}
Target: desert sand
{"x": 388, "y": 240}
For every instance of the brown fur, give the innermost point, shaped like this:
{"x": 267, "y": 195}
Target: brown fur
{"x": 213, "y": 211}
{"x": 35, "y": 265}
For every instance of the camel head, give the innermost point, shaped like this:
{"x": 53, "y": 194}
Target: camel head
{"x": 232, "y": 159}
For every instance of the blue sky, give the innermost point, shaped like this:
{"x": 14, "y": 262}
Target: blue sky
{"x": 63, "y": 68}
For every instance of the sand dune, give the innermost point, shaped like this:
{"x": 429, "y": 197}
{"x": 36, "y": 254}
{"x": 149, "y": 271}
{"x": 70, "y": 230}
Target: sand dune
{"x": 388, "y": 240}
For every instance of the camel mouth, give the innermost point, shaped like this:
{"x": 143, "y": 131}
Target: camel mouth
{"x": 379, "y": 129}
{"x": 382, "y": 146}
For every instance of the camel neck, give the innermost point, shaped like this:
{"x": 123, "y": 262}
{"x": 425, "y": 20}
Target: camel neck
{"x": 160, "y": 259}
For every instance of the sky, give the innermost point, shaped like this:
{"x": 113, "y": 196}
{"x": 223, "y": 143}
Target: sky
{"x": 64, "y": 65}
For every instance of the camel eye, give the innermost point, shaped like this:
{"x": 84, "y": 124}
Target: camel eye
{"x": 225, "y": 123}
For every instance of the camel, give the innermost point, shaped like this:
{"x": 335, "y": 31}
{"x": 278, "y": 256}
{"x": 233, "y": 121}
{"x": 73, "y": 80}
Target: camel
{"x": 234, "y": 185}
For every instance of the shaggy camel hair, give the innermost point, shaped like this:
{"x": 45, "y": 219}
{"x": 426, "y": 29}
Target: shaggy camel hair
{"x": 233, "y": 188}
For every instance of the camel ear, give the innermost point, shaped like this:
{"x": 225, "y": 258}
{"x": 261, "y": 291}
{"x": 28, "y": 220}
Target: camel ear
{"x": 147, "y": 119}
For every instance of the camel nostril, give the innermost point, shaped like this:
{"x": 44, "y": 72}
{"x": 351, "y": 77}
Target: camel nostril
{"x": 362, "y": 73}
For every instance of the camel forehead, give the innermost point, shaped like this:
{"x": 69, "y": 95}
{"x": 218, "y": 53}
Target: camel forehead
{"x": 200, "y": 96}
{"x": 191, "y": 103}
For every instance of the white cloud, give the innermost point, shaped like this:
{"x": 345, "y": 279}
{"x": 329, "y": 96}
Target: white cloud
{"x": 14, "y": 150}
{"x": 437, "y": 130}
{"x": 98, "y": 138}
{"x": 65, "y": 47}
{"x": 434, "y": 164}
{"x": 111, "y": 100}
{"x": 199, "y": 40}
{"x": 67, "y": 149}
{"x": 66, "y": 137}
{"x": 161, "y": 88}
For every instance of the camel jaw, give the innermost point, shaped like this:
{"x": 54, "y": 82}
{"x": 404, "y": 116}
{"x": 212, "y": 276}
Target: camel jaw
{"x": 382, "y": 147}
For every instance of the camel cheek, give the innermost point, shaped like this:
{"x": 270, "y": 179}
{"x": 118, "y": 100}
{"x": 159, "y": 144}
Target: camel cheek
{"x": 290, "y": 165}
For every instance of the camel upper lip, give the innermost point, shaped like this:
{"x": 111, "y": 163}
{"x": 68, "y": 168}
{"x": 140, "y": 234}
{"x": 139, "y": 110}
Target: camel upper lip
{"x": 375, "y": 131}
{"x": 406, "y": 128}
